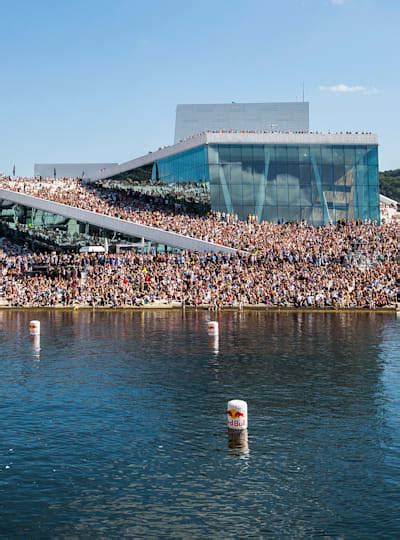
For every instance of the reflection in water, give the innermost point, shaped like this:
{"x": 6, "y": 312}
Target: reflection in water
{"x": 35, "y": 344}
{"x": 119, "y": 431}
{"x": 238, "y": 441}
{"x": 213, "y": 342}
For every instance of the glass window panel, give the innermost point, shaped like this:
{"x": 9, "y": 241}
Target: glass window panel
{"x": 248, "y": 194}
{"x": 340, "y": 197}
{"x": 339, "y": 174}
{"x": 224, "y": 154}
{"x": 304, "y": 154}
{"x": 305, "y": 196}
{"x": 215, "y": 194}
{"x": 294, "y": 213}
{"x": 258, "y": 154}
{"x": 283, "y": 214}
{"x": 361, "y": 155}
{"x": 270, "y": 193}
{"x": 282, "y": 196}
{"x": 315, "y": 152}
{"x": 293, "y": 170}
{"x": 327, "y": 173}
{"x": 349, "y": 155}
{"x": 272, "y": 172}
{"x": 338, "y": 155}
{"x": 362, "y": 175}
{"x": 372, "y": 155}
{"x": 225, "y": 173}
{"x": 281, "y": 153}
{"x": 247, "y": 153}
{"x": 326, "y": 155}
{"x": 236, "y": 153}
{"x": 236, "y": 174}
{"x": 212, "y": 154}
{"x": 281, "y": 180}
{"x": 305, "y": 174}
{"x": 373, "y": 175}
{"x": 294, "y": 194}
{"x": 247, "y": 173}
{"x": 373, "y": 195}
{"x": 270, "y": 152}
{"x": 236, "y": 195}
{"x": 271, "y": 213}
{"x": 293, "y": 154}
{"x": 214, "y": 174}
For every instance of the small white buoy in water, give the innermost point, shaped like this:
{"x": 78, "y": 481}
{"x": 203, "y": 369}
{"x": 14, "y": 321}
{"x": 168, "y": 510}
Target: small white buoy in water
{"x": 212, "y": 328}
{"x": 236, "y": 414}
{"x": 34, "y": 328}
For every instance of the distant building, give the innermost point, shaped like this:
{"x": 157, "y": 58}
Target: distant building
{"x": 195, "y": 119}
{"x": 70, "y": 170}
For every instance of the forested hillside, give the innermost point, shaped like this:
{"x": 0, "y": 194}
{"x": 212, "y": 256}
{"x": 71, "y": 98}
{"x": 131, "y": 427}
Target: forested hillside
{"x": 390, "y": 184}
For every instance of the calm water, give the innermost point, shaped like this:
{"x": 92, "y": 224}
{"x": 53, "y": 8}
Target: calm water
{"x": 116, "y": 427}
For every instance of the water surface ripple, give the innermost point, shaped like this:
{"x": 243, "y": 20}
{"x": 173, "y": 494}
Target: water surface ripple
{"x": 116, "y": 426}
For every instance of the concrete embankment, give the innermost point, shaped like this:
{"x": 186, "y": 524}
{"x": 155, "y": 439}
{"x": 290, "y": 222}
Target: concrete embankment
{"x": 204, "y": 307}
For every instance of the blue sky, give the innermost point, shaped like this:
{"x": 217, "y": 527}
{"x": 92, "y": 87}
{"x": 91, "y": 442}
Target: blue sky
{"x": 98, "y": 80}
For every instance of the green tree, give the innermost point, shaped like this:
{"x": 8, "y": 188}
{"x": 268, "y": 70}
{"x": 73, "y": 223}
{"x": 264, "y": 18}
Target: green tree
{"x": 390, "y": 184}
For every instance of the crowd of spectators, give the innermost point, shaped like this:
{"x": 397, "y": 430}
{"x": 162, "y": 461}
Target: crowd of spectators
{"x": 284, "y": 277}
{"x": 249, "y": 236}
{"x": 348, "y": 265}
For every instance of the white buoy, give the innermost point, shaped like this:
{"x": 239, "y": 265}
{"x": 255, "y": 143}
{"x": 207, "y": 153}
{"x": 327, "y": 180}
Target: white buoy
{"x": 212, "y": 328}
{"x": 236, "y": 414}
{"x": 34, "y": 328}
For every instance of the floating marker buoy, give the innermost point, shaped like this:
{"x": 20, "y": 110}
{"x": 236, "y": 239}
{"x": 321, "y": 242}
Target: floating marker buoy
{"x": 212, "y": 328}
{"x": 34, "y": 328}
{"x": 236, "y": 414}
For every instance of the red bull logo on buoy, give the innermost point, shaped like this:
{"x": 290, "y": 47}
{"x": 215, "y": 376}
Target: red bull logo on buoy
{"x": 237, "y": 414}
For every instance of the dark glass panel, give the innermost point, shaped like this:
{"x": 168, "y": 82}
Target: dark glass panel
{"x": 327, "y": 155}
{"x": 293, "y": 154}
{"x": 281, "y": 153}
{"x": 236, "y": 153}
{"x": 236, "y": 174}
{"x": 258, "y": 154}
{"x": 315, "y": 153}
{"x": 248, "y": 194}
{"x": 349, "y": 156}
{"x": 305, "y": 174}
{"x": 372, "y": 155}
{"x": 361, "y": 155}
{"x": 293, "y": 170}
{"x": 338, "y": 156}
{"x": 304, "y": 154}
{"x": 224, "y": 154}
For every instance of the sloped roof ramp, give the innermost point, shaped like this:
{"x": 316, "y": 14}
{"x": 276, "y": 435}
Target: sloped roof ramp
{"x": 129, "y": 228}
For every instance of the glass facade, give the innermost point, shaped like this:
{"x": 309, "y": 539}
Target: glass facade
{"x": 190, "y": 166}
{"x": 321, "y": 184}
{"x": 281, "y": 183}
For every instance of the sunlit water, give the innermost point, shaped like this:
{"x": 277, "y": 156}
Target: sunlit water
{"x": 116, "y": 426}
